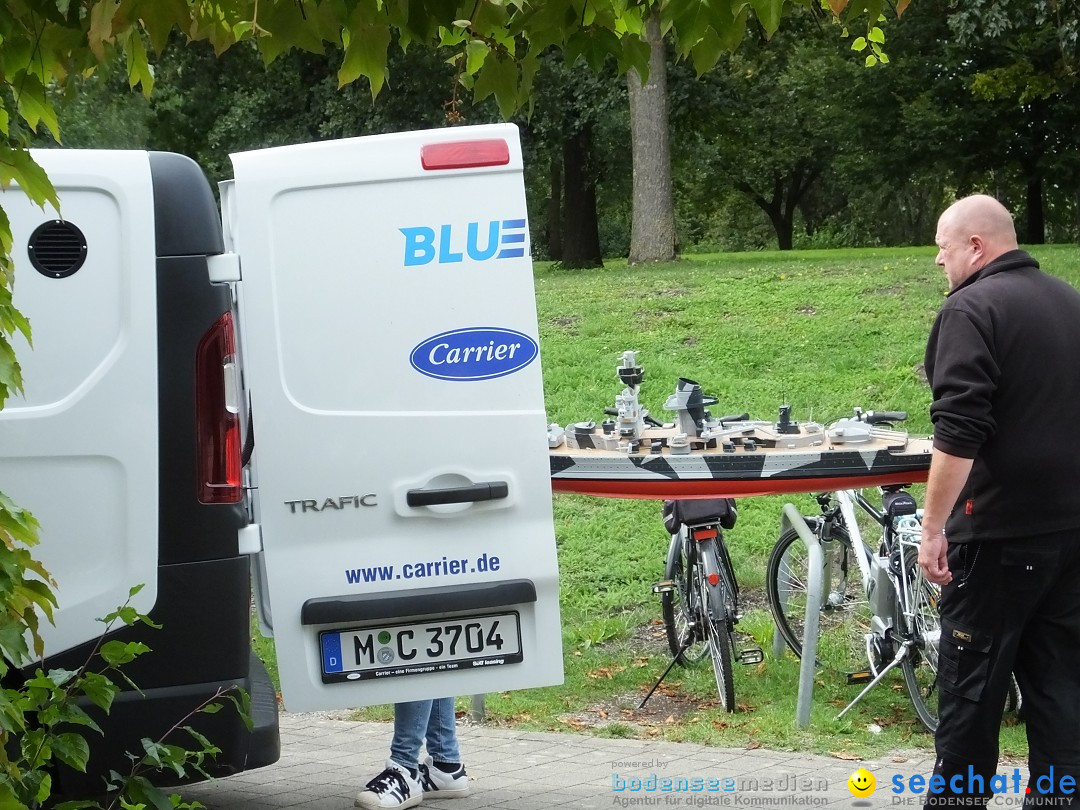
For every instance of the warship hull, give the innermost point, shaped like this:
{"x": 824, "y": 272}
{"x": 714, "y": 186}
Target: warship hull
{"x": 743, "y": 473}
{"x": 700, "y": 456}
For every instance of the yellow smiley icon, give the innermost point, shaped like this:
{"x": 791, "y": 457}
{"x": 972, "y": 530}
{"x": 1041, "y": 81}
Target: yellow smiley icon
{"x": 862, "y": 783}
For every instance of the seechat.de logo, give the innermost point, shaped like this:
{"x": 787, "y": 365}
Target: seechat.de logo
{"x": 475, "y": 353}
{"x": 480, "y": 241}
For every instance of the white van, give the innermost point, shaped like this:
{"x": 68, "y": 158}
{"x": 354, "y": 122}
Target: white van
{"x": 328, "y": 396}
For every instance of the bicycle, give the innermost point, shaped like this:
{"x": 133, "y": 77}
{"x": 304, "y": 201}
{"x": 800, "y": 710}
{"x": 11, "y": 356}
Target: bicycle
{"x": 699, "y": 595}
{"x": 876, "y": 606}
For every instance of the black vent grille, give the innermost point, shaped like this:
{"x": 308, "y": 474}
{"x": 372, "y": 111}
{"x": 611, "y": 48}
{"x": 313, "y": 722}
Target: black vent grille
{"x": 57, "y": 249}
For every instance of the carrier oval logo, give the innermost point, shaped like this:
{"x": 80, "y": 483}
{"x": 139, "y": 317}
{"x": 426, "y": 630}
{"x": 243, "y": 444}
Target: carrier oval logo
{"x": 476, "y": 353}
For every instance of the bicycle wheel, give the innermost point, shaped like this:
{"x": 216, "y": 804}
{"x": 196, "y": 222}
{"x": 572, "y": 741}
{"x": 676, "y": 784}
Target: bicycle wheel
{"x": 844, "y": 617}
{"x": 678, "y": 608}
{"x": 920, "y": 666}
{"x": 714, "y": 619}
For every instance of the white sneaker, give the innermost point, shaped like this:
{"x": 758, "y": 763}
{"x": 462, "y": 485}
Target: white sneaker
{"x": 442, "y": 785}
{"x": 394, "y": 787}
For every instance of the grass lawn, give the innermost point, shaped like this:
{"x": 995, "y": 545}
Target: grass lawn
{"x": 823, "y": 331}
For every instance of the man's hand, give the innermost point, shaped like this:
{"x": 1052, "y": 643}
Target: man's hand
{"x": 932, "y": 556}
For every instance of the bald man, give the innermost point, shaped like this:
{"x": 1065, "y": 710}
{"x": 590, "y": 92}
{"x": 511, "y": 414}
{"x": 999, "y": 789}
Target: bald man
{"x": 1001, "y": 524}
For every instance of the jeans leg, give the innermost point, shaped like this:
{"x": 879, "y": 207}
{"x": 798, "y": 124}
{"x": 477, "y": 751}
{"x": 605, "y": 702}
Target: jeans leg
{"x": 410, "y": 721}
{"x": 442, "y": 742}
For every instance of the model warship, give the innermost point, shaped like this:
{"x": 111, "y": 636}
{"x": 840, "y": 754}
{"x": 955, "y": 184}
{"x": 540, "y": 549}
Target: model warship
{"x": 632, "y": 455}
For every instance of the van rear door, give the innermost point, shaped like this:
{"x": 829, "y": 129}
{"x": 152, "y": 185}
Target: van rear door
{"x": 80, "y": 448}
{"x": 391, "y": 352}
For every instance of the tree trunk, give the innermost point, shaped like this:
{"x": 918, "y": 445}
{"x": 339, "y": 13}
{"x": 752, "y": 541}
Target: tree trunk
{"x": 787, "y": 192}
{"x": 1035, "y": 230}
{"x": 581, "y": 234}
{"x": 554, "y": 222}
{"x": 652, "y": 232}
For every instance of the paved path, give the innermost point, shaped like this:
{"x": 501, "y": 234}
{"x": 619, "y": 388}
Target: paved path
{"x": 325, "y": 761}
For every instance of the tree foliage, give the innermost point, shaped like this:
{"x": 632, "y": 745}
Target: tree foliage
{"x": 495, "y": 46}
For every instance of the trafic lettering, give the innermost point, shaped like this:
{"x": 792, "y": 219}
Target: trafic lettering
{"x": 337, "y": 504}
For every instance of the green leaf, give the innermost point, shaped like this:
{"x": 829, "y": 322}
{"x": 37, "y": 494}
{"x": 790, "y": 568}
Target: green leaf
{"x": 769, "y": 12}
{"x": 498, "y": 77}
{"x": 44, "y": 787}
{"x": 884, "y": 58}
{"x": 206, "y": 747}
{"x": 99, "y": 690}
{"x": 871, "y": 60}
{"x": 876, "y": 35}
{"x": 117, "y": 653}
{"x": 859, "y": 44}
{"x": 365, "y": 55}
{"x": 33, "y": 104}
{"x": 72, "y": 749}
{"x": 282, "y": 27}
{"x": 707, "y": 52}
{"x": 158, "y": 18}
{"x": 13, "y": 641}
{"x": 140, "y": 73}
{"x": 18, "y": 165}
{"x": 59, "y": 677}
{"x": 476, "y": 51}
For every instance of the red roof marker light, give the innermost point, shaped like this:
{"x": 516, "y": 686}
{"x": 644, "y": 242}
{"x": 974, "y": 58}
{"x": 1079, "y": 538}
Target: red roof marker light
{"x": 464, "y": 154}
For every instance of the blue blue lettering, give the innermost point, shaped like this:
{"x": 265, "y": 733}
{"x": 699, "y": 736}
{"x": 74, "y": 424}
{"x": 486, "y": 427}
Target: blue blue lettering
{"x": 617, "y": 783}
{"x": 492, "y": 244}
{"x": 445, "y": 256}
{"x": 505, "y": 240}
{"x": 419, "y": 245}
{"x": 898, "y": 784}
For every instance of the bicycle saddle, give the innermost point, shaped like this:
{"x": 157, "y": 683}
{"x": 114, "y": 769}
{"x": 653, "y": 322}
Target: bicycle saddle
{"x": 697, "y": 511}
{"x": 897, "y": 504}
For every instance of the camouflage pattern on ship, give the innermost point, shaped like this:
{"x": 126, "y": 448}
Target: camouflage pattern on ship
{"x": 631, "y": 455}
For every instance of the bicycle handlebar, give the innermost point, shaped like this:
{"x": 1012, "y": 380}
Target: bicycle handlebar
{"x": 877, "y": 417}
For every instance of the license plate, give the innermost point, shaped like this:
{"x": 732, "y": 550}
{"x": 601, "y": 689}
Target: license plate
{"x": 416, "y": 648}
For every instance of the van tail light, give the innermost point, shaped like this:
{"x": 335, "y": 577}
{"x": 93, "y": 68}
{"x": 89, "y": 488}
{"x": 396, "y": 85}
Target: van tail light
{"x": 217, "y": 415}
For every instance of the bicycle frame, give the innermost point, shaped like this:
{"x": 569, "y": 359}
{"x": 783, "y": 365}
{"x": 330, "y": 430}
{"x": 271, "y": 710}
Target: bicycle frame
{"x": 705, "y": 548}
{"x": 884, "y": 578}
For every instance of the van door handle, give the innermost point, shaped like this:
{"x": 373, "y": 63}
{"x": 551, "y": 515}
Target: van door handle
{"x": 485, "y": 491}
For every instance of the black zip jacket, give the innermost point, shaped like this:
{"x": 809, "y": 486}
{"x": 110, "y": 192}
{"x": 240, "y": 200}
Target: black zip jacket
{"x": 1003, "y": 360}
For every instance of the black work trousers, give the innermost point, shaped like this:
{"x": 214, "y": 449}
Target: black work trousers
{"x": 1012, "y": 607}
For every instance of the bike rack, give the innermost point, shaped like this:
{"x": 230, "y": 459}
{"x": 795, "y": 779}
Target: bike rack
{"x": 793, "y": 519}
